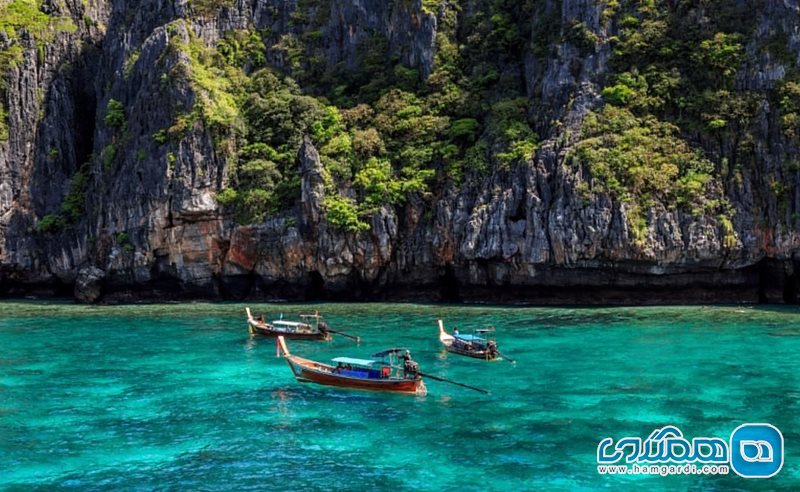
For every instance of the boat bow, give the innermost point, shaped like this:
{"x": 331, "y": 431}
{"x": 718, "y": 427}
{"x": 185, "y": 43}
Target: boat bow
{"x": 282, "y": 348}
{"x": 445, "y": 337}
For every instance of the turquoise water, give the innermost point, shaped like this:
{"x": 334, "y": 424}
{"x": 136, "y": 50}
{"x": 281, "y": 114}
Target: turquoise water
{"x": 179, "y": 397}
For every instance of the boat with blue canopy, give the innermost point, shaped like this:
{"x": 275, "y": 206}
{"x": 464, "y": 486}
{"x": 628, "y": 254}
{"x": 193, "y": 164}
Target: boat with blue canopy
{"x": 310, "y": 327}
{"x": 383, "y": 372}
{"x": 480, "y": 344}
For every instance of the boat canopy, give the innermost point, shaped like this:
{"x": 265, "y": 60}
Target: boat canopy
{"x": 470, "y": 338}
{"x": 390, "y": 351}
{"x": 294, "y": 324}
{"x": 351, "y": 361}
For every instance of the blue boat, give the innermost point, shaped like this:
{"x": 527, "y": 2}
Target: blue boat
{"x": 480, "y": 344}
{"x": 381, "y": 373}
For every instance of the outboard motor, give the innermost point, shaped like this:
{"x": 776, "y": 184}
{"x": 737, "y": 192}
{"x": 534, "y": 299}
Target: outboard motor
{"x": 491, "y": 348}
{"x": 410, "y": 367}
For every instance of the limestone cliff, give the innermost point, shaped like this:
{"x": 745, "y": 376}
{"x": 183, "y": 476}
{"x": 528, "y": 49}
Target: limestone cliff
{"x": 106, "y": 141}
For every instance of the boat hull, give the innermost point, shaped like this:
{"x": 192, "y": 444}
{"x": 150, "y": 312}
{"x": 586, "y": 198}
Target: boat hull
{"x": 307, "y": 371}
{"x": 475, "y": 354}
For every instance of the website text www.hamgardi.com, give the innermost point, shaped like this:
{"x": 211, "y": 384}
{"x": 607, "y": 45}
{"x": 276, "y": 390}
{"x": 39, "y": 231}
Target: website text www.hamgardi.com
{"x": 663, "y": 470}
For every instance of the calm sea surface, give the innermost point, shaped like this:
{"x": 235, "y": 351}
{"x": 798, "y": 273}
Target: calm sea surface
{"x": 179, "y": 397}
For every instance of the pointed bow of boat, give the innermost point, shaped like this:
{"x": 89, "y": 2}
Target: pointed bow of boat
{"x": 445, "y": 337}
{"x": 282, "y": 348}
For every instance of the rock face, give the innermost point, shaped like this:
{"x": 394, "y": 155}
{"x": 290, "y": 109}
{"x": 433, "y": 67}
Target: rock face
{"x": 88, "y": 284}
{"x": 151, "y": 225}
{"x": 410, "y": 31}
{"x": 313, "y": 188}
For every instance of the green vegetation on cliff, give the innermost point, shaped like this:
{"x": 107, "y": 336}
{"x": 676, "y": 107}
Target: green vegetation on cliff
{"x": 18, "y": 17}
{"x": 641, "y": 160}
{"x": 789, "y": 103}
{"x": 671, "y": 89}
{"x": 679, "y": 62}
{"x": 380, "y": 128}
{"x": 73, "y": 205}
{"x": 385, "y": 132}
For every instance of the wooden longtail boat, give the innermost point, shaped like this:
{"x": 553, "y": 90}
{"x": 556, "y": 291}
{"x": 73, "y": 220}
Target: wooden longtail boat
{"x": 381, "y": 373}
{"x": 479, "y": 345}
{"x": 312, "y": 327}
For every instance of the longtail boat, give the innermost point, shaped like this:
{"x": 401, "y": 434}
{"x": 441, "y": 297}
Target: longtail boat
{"x": 311, "y": 327}
{"x": 383, "y": 372}
{"x": 480, "y": 344}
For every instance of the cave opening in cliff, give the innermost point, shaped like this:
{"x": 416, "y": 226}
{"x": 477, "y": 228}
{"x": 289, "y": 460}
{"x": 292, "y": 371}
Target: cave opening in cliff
{"x": 84, "y": 123}
{"x": 448, "y": 285}
{"x": 84, "y": 102}
{"x": 315, "y": 290}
